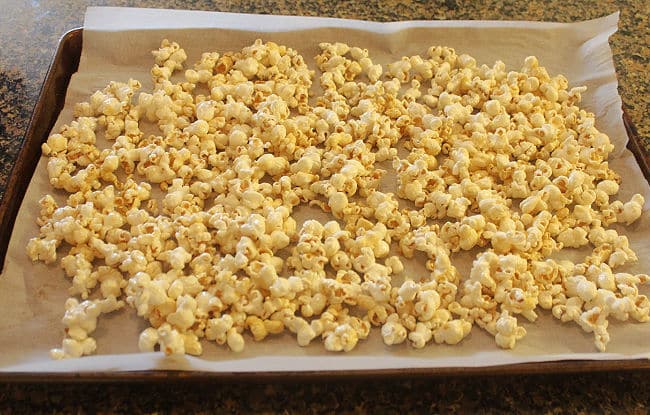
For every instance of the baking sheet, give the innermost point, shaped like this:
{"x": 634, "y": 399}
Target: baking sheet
{"x": 117, "y": 43}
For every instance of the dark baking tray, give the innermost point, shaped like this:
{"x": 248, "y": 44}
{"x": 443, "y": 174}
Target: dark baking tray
{"x": 46, "y": 111}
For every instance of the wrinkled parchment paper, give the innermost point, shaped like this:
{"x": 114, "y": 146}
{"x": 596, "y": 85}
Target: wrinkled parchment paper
{"x": 116, "y": 46}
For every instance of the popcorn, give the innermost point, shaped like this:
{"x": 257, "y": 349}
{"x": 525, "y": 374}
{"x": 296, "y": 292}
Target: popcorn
{"x": 178, "y": 257}
{"x": 304, "y": 332}
{"x": 235, "y": 340}
{"x": 148, "y": 339}
{"x": 581, "y": 287}
{"x": 594, "y": 320}
{"x": 343, "y": 338}
{"x": 507, "y": 331}
{"x": 56, "y": 143}
{"x": 500, "y": 163}
{"x": 393, "y": 332}
{"x": 419, "y": 337}
{"x": 629, "y": 211}
{"x": 452, "y": 332}
{"x": 170, "y": 340}
{"x": 42, "y": 250}
{"x": 80, "y": 320}
{"x": 427, "y": 304}
{"x": 408, "y": 290}
{"x": 217, "y": 328}
{"x": 184, "y": 316}
{"x": 72, "y": 348}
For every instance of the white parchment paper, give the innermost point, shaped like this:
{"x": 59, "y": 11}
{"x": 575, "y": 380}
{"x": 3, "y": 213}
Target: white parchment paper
{"x": 117, "y": 45}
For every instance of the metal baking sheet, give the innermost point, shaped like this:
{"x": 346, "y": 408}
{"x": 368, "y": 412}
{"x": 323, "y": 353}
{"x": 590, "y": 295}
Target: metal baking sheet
{"x": 49, "y": 105}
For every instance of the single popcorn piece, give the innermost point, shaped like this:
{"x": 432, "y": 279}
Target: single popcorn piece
{"x": 595, "y": 320}
{"x": 42, "y": 250}
{"x": 304, "y": 332}
{"x": 235, "y": 340}
{"x": 452, "y": 332}
{"x": 170, "y": 340}
{"x": 343, "y": 338}
{"x": 148, "y": 340}
{"x": 508, "y": 332}
{"x": 393, "y": 332}
{"x": 190, "y": 202}
{"x": 419, "y": 337}
{"x": 631, "y": 211}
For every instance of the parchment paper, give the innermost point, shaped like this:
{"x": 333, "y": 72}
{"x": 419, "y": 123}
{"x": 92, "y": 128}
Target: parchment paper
{"x": 117, "y": 45}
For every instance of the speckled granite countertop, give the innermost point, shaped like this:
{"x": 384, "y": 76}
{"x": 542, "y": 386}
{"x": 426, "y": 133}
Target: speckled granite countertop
{"x": 30, "y": 31}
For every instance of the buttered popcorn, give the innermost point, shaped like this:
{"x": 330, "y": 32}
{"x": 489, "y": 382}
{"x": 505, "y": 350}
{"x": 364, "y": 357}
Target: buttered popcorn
{"x": 500, "y": 163}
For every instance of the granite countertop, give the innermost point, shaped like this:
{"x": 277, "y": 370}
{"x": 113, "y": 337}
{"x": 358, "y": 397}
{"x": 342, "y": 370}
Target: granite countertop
{"x": 30, "y": 31}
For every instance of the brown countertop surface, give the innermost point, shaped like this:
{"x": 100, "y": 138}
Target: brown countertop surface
{"x": 30, "y": 31}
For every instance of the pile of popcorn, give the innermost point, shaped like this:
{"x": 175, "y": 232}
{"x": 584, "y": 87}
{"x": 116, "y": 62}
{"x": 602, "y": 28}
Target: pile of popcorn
{"x": 500, "y": 163}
